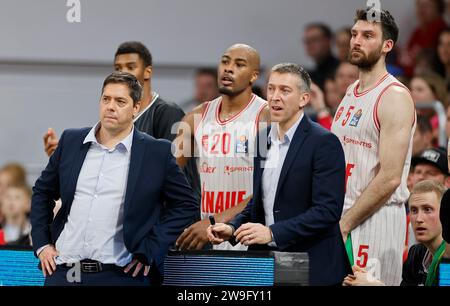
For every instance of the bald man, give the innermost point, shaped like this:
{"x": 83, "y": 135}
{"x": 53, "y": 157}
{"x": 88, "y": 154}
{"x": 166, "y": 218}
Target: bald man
{"x": 221, "y": 133}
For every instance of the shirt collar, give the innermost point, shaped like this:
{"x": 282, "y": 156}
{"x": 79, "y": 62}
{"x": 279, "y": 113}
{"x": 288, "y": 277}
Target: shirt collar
{"x": 154, "y": 97}
{"x": 273, "y": 135}
{"x": 126, "y": 142}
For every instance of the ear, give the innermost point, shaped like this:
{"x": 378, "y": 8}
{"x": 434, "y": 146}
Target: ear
{"x": 304, "y": 99}
{"x": 148, "y": 72}
{"x": 447, "y": 182}
{"x": 388, "y": 45}
{"x": 254, "y": 77}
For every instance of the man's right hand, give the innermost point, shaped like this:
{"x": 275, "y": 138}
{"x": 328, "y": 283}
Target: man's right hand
{"x": 219, "y": 233}
{"x": 50, "y": 141}
{"x": 47, "y": 258}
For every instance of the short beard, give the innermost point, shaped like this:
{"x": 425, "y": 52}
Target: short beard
{"x": 228, "y": 92}
{"x": 366, "y": 63}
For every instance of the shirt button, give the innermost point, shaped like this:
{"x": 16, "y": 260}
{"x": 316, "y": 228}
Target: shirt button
{"x": 95, "y": 196}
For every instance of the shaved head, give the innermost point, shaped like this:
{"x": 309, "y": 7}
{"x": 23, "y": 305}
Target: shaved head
{"x": 252, "y": 55}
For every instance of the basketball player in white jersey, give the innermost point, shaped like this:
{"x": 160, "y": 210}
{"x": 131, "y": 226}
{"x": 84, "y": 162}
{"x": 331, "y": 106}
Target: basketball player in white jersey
{"x": 222, "y": 133}
{"x": 375, "y": 123}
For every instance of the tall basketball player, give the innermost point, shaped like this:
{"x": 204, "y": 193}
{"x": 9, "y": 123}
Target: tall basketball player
{"x": 222, "y": 132}
{"x": 375, "y": 123}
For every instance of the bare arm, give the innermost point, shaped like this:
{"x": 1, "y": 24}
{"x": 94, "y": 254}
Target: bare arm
{"x": 396, "y": 116}
{"x": 184, "y": 142}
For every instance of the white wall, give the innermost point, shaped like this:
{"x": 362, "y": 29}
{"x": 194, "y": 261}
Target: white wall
{"x": 51, "y": 70}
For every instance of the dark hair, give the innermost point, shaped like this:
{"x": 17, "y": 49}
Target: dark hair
{"x": 298, "y": 70}
{"x": 423, "y": 124}
{"x": 128, "y": 79}
{"x": 135, "y": 47}
{"x": 326, "y": 31}
{"x": 440, "y": 6}
{"x": 388, "y": 25}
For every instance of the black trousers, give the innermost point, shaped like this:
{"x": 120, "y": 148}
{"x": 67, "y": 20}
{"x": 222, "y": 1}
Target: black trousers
{"x": 64, "y": 276}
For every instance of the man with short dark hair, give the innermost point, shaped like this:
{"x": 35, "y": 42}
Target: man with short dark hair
{"x": 375, "y": 123}
{"x": 124, "y": 198}
{"x": 298, "y": 189}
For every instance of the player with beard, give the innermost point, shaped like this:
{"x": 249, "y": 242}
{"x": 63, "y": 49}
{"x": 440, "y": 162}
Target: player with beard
{"x": 222, "y": 133}
{"x": 375, "y": 123}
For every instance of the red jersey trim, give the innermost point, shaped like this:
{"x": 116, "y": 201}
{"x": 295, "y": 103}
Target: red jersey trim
{"x": 235, "y": 116}
{"x": 375, "y": 108}
{"x": 355, "y": 89}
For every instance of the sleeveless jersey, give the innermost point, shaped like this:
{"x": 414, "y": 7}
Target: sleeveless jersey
{"x": 357, "y": 126}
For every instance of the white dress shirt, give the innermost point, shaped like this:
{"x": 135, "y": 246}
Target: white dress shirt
{"x": 272, "y": 169}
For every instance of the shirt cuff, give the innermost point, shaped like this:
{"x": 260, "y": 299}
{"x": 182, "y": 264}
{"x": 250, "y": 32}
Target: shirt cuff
{"x": 272, "y": 243}
{"x": 39, "y": 251}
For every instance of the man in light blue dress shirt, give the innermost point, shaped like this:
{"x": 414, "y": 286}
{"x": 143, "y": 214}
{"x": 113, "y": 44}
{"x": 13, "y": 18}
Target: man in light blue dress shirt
{"x": 124, "y": 199}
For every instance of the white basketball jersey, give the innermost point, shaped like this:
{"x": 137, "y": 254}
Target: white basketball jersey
{"x": 225, "y": 151}
{"x": 357, "y": 126}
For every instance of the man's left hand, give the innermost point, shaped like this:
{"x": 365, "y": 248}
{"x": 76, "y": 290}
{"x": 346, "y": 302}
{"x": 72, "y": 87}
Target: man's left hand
{"x": 138, "y": 268}
{"x": 253, "y": 233}
{"x": 194, "y": 237}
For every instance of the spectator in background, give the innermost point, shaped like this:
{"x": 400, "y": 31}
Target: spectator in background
{"x": 431, "y": 22}
{"x": 424, "y": 205}
{"x": 346, "y": 75}
{"x": 430, "y": 165}
{"x": 427, "y": 61}
{"x": 317, "y": 39}
{"x": 10, "y": 174}
{"x": 206, "y": 88}
{"x": 15, "y": 208}
{"x": 342, "y": 43}
{"x": 443, "y": 50}
{"x": 426, "y": 88}
{"x": 423, "y": 136}
{"x": 332, "y": 95}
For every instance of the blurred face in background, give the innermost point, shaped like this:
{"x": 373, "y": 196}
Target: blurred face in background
{"x": 346, "y": 75}
{"x": 420, "y": 91}
{"x": 427, "y": 11}
{"x": 444, "y": 48}
{"x": 424, "y": 213}
{"x": 205, "y": 87}
{"x": 317, "y": 45}
{"x": 426, "y": 171}
{"x": 332, "y": 96}
{"x": 16, "y": 202}
{"x": 343, "y": 45}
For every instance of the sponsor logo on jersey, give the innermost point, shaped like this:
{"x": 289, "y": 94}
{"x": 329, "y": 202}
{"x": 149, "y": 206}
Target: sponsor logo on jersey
{"x": 231, "y": 169}
{"x": 205, "y": 168}
{"x": 355, "y": 120}
{"x": 218, "y": 201}
{"x": 339, "y": 113}
{"x": 362, "y": 143}
{"x": 242, "y": 144}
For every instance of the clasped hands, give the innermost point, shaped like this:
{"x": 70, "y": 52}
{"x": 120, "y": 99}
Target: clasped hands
{"x": 247, "y": 234}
